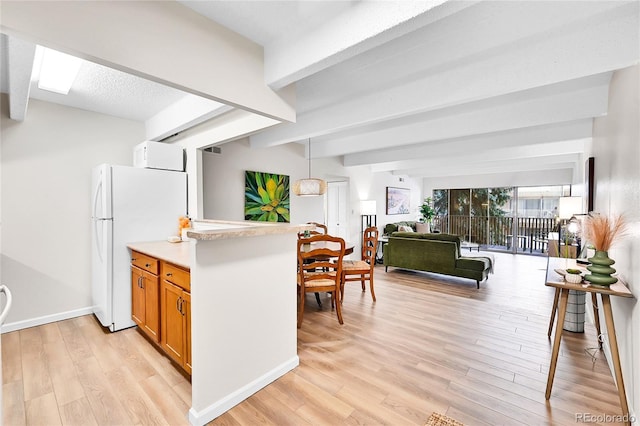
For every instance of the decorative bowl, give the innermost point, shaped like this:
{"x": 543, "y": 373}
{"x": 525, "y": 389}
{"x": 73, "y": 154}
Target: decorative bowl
{"x": 573, "y": 278}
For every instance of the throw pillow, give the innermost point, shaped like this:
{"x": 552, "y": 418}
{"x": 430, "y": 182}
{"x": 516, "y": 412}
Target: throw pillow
{"x": 423, "y": 228}
{"x": 405, "y": 228}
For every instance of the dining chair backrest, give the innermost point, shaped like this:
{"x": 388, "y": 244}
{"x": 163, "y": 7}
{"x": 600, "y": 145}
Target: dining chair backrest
{"x": 370, "y": 244}
{"x": 321, "y": 253}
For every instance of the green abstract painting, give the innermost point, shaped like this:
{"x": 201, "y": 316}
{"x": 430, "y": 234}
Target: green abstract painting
{"x": 266, "y": 197}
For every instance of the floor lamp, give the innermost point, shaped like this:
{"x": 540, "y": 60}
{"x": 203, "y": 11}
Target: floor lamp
{"x": 367, "y": 214}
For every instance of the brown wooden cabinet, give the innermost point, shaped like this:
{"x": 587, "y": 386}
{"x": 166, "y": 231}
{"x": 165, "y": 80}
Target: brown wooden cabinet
{"x": 176, "y": 314}
{"x": 161, "y": 305}
{"x": 145, "y": 295}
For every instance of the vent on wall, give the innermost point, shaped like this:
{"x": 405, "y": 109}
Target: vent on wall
{"x": 213, "y": 150}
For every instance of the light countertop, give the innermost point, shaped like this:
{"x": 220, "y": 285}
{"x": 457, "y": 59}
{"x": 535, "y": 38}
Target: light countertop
{"x": 176, "y": 253}
{"x": 179, "y": 253}
{"x": 219, "y": 229}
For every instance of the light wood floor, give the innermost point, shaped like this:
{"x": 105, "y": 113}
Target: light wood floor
{"x": 430, "y": 343}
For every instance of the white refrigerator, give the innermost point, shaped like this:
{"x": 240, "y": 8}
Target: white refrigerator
{"x": 129, "y": 204}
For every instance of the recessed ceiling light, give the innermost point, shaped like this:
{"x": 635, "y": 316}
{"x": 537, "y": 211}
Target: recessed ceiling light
{"x": 58, "y": 71}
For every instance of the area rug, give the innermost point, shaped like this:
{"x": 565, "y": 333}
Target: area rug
{"x": 437, "y": 419}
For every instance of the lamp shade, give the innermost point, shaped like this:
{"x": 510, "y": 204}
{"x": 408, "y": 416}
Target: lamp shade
{"x": 368, "y": 207}
{"x": 309, "y": 187}
{"x": 569, "y": 206}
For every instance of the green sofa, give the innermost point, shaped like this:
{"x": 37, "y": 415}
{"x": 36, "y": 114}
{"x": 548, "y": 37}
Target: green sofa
{"x": 438, "y": 253}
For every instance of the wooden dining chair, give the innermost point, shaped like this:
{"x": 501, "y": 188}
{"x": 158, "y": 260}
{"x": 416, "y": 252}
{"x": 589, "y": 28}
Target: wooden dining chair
{"x": 320, "y": 229}
{"x": 320, "y": 269}
{"x": 362, "y": 270}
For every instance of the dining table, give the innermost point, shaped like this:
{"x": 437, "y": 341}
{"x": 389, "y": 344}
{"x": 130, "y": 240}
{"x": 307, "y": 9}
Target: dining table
{"x": 348, "y": 247}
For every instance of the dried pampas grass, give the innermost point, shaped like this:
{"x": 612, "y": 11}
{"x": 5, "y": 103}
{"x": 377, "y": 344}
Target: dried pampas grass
{"x": 601, "y": 230}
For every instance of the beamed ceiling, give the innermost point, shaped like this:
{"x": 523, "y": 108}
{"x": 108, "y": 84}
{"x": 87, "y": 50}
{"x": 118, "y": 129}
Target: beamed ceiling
{"x": 424, "y": 89}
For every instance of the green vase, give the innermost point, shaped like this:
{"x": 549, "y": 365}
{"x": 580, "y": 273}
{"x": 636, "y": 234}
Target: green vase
{"x": 601, "y": 269}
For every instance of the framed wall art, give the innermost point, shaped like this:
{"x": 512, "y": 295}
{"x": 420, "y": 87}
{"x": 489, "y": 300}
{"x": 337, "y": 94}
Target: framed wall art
{"x": 266, "y": 197}
{"x": 398, "y": 200}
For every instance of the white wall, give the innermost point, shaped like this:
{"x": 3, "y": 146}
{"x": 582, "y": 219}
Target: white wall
{"x": 616, "y": 148}
{"x": 45, "y": 197}
{"x": 223, "y": 179}
{"x": 223, "y": 183}
{"x": 365, "y": 185}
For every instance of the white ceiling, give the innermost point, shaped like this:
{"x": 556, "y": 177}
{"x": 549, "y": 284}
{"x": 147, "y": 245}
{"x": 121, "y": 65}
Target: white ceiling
{"x": 415, "y": 87}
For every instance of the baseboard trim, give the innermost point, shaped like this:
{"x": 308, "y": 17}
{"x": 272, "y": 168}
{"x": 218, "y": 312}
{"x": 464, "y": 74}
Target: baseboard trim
{"x": 33, "y": 322}
{"x": 199, "y": 418}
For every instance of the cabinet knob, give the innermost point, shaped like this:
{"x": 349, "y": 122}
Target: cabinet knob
{"x": 146, "y": 265}
{"x": 169, "y": 274}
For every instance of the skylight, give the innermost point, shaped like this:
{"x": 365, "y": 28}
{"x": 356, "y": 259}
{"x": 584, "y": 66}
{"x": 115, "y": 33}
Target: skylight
{"x": 57, "y": 71}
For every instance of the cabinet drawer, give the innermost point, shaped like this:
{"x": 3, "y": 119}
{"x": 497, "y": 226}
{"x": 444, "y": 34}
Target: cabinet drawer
{"x": 145, "y": 262}
{"x": 176, "y": 275}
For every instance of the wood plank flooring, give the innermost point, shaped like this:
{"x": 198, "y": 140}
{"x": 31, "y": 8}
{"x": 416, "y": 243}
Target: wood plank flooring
{"x": 430, "y": 343}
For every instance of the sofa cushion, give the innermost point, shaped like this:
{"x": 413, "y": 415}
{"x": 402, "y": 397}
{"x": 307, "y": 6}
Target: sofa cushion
{"x": 437, "y": 237}
{"x": 473, "y": 264}
{"x": 405, "y": 228}
{"x": 390, "y": 228}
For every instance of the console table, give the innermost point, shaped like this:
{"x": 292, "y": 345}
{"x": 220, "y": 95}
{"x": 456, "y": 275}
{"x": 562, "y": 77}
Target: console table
{"x": 560, "y": 302}
{"x": 382, "y": 240}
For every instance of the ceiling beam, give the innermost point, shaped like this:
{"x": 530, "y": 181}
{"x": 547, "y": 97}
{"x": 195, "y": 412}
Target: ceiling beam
{"x": 187, "y": 112}
{"x": 510, "y": 179}
{"x": 162, "y": 41}
{"x": 497, "y": 167}
{"x": 388, "y": 159}
{"x": 511, "y": 66}
{"x": 21, "y": 55}
{"x": 469, "y": 158}
{"x": 567, "y": 102}
{"x": 364, "y": 26}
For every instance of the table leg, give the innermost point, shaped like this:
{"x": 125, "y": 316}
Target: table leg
{"x": 596, "y": 317}
{"x": 564, "y": 298}
{"x": 615, "y": 356}
{"x": 553, "y": 311}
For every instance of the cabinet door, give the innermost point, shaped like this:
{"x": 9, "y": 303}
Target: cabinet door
{"x": 151, "y": 285}
{"x": 186, "y": 310}
{"x": 138, "y": 305}
{"x": 172, "y": 336}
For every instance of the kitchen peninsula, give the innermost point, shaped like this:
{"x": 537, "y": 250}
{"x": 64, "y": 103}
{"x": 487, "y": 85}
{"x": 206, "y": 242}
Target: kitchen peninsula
{"x": 243, "y": 308}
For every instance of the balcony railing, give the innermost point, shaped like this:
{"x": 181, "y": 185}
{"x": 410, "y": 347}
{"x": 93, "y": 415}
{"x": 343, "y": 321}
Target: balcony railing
{"x": 526, "y": 234}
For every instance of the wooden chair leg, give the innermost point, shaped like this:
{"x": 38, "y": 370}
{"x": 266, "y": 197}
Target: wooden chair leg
{"x": 362, "y": 282}
{"x": 373, "y": 293}
{"x": 338, "y": 308}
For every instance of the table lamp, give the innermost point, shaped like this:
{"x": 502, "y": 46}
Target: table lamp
{"x": 568, "y": 207}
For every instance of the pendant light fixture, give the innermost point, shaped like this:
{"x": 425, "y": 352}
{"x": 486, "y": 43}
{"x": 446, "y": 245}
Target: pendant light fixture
{"x": 309, "y": 187}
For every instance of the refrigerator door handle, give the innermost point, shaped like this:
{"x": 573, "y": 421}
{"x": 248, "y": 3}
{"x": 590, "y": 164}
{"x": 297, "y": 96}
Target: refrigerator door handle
{"x": 96, "y": 194}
